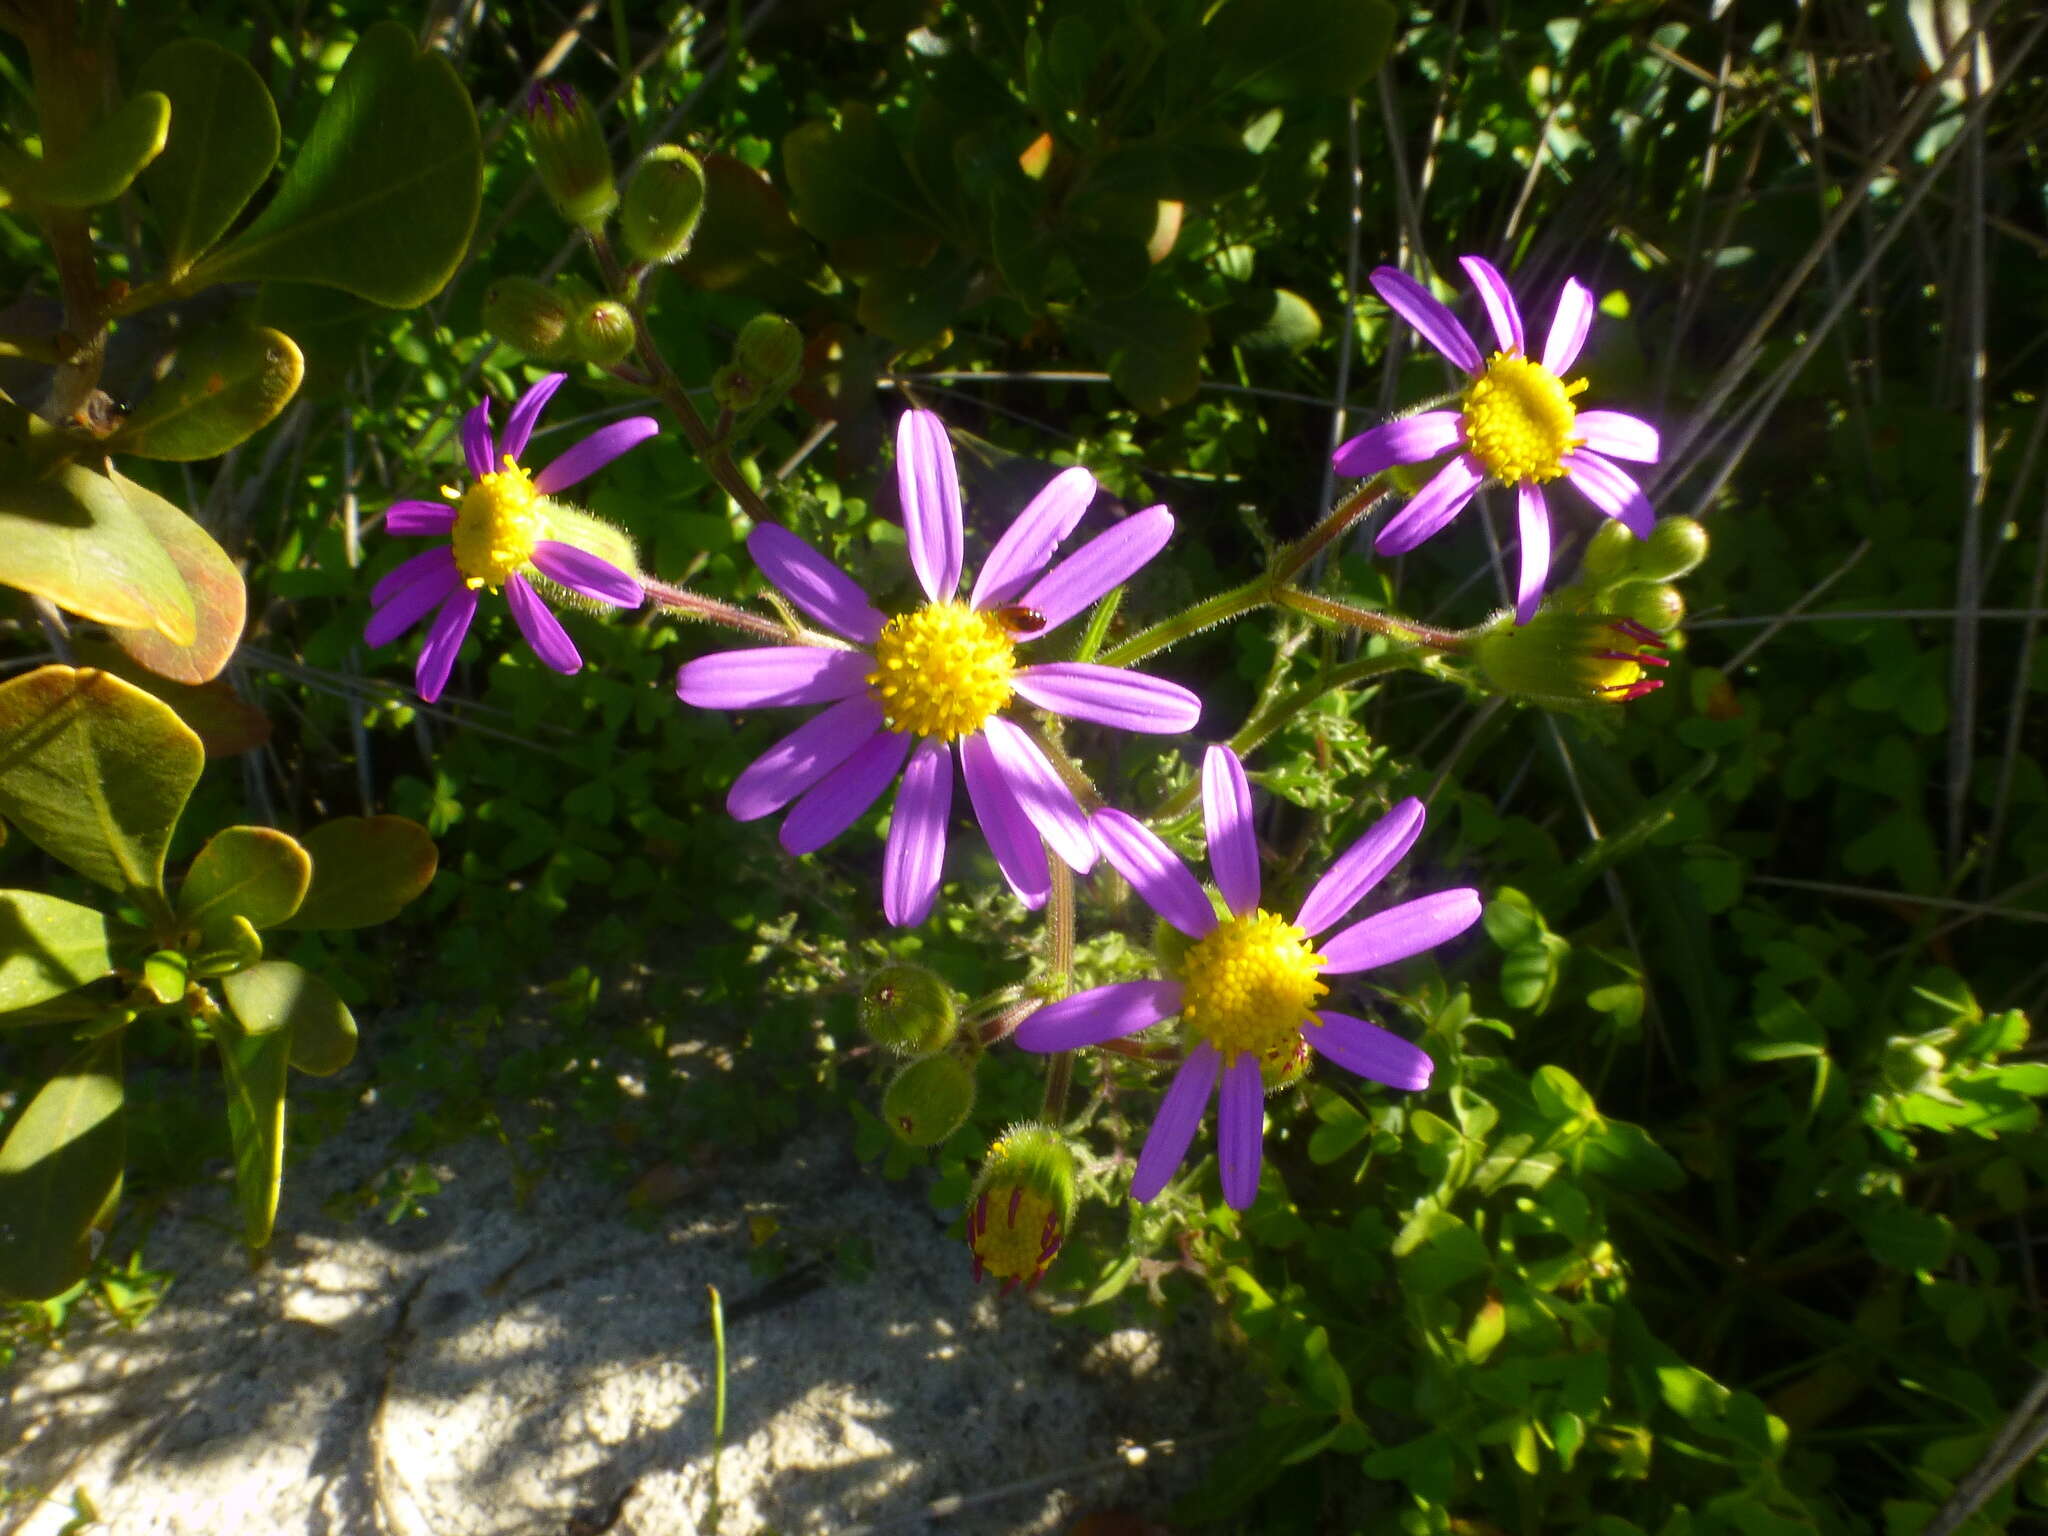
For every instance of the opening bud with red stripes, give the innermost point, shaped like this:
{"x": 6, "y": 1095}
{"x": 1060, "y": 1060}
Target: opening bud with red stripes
{"x": 1022, "y": 1205}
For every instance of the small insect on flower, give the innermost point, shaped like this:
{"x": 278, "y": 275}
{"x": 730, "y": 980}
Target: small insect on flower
{"x": 1248, "y": 992}
{"x": 914, "y": 691}
{"x": 1517, "y": 424}
{"x": 505, "y": 532}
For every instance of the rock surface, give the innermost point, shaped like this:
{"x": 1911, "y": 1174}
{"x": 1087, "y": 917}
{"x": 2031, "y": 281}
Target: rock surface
{"x": 497, "y": 1368}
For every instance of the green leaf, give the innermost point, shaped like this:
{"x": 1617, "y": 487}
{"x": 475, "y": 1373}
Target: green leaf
{"x": 233, "y": 945}
{"x": 1627, "y": 1155}
{"x": 1561, "y": 1097}
{"x": 252, "y": 1070}
{"x": 279, "y": 996}
{"x": 1272, "y": 320}
{"x": 849, "y": 184}
{"x": 251, "y": 872}
{"x": 71, "y": 534}
{"x": 1277, "y": 50}
{"x": 225, "y": 385}
{"x": 365, "y": 869}
{"x": 165, "y": 975}
{"x": 223, "y": 143}
{"x": 1152, "y": 344}
{"x": 49, "y": 947}
{"x": 96, "y": 772}
{"x": 226, "y": 724}
{"x": 1905, "y": 1238}
{"x": 220, "y": 604}
{"x": 102, "y": 165}
{"x": 383, "y": 195}
{"x": 60, "y": 1174}
{"x": 749, "y": 244}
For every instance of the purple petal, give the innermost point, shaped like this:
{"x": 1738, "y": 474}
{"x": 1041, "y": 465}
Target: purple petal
{"x": 525, "y": 412}
{"x": 1612, "y": 490}
{"x": 917, "y": 835}
{"x": 428, "y": 562}
{"x": 1533, "y": 514}
{"x": 1439, "y": 327}
{"x": 1434, "y": 506}
{"x": 772, "y": 675}
{"x": 437, "y": 656}
{"x": 581, "y": 571}
{"x": 417, "y": 519}
{"x": 1568, "y": 327}
{"x": 1180, "y": 1113}
{"x": 1618, "y": 435}
{"x": 1041, "y": 794}
{"x": 543, "y": 631}
{"x": 476, "y": 439}
{"x": 1361, "y": 1046}
{"x": 929, "y": 486}
{"x": 1027, "y": 544}
{"x": 1499, "y": 302}
{"x": 1019, "y": 850}
{"x": 1107, "y": 560}
{"x": 1131, "y": 701}
{"x": 1240, "y": 1129}
{"x": 594, "y": 452}
{"x": 405, "y": 606}
{"x": 803, "y": 757}
{"x": 1410, "y": 440}
{"x": 1155, "y": 871}
{"x": 1102, "y": 1013}
{"x": 1227, "y": 818}
{"x": 815, "y": 584}
{"x": 1361, "y": 867}
{"x": 1399, "y": 932}
{"x": 839, "y": 799}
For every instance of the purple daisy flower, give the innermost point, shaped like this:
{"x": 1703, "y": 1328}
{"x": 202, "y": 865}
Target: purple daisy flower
{"x": 502, "y": 530}
{"x": 915, "y": 686}
{"x": 1515, "y": 423}
{"x": 1245, "y": 992}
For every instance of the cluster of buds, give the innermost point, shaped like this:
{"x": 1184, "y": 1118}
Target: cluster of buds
{"x": 767, "y": 357}
{"x": 909, "y": 1010}
{"x": 663, "y": 202}
{"x": 561, "y": 322}
{"x": 1022, "y": 1206}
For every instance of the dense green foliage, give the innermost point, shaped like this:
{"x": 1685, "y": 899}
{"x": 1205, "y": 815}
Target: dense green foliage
{"x": 1716, "y": 1215}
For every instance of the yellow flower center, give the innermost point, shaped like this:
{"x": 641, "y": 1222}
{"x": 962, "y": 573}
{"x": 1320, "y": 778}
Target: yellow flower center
{"x": 1251, "y": 985}
{"x": 942, "y": 670}
{"x": 1010, "y": 1230}
{"x": 497, "y": 522}
{"x": 1519, "y": 418}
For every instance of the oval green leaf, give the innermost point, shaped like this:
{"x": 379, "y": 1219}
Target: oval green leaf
{"x": 232, "y": 945}
{"x": 223, "y": 143}
{"x": 252, "y": 1071}
{"x": 365, "y": 869}
{"x": 226, "y": 724}
{"x": 253, "y": 872}
{"x": 382, "y": 197}
{"x": 220, "y": 603}
{"x": 49, "y": 947}
{"x": 278, "y": 995}
{"x": 103, "y": 164}
{"x": 69, "y": 533}
{"x": 96, "y": 773}
{"x": 225, "y": 386}
{"x": 60, "y": 1173}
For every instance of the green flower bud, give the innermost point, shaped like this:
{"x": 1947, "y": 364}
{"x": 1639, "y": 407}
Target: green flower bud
{"x": 734, "y": 389}
{"x": 1675, "y": 546}
{"x": 663, "y": 203}
{"x": 1655, "y": 605}
{"x": 1285, "y": 1064}
{"x": 604, "y": 333}
{"x": 1610, "y": 553}
{"x": 908, "y": 1009}
{"x": 771, "y": 349}
{"x": 1022, "y": 1205}
{"x": 1560, "y": 657}
{"x": 929, "y": 1099}
{"x": 529, "y": 317}
{"x": 568, "y": 150}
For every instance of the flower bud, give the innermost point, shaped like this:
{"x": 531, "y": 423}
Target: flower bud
{"x": 1675, "y": 546}
{"x": 604, "y": 333}
{"x": 1655, "y": 605}
{"x": 771, "y": 349}
{"x": 1285, "y": 1064}
{"x": 568, "y": 150}
{"x": 1560, "y": 657}
{"x": 1610, "y": 554}
{"x": 734, "y": 389}
{"x": 663, "y": 203}
{"x": 594, "y": 536}
{"x": 929, "y": 1099}
{"x": 528, "y": 316}
{"x": 908, "y": 1009}
{"x": 1022, "y": 1205}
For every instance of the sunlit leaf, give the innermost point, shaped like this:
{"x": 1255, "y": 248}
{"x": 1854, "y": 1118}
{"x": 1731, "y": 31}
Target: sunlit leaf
{"x": 253, "y": 872}
{"x": 222, "y": 144}
{"x": 252, "y": 1071}
{"x": 219, "y": 600}
{"x": 101, "y": 166}
{"x": 60, "y": 1174}
{"x": 49, "y": 947}
{"x": 278, "y": 995}
{"x": 225, "y": 385}
{"x": 365, "y": 869}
